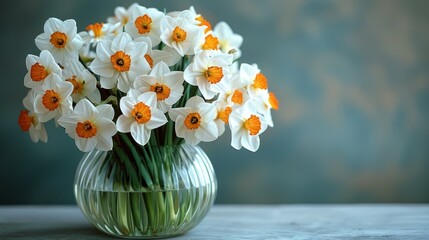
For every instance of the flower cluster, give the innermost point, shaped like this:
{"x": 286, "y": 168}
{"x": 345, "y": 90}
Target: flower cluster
{"x": 158, "y": 76}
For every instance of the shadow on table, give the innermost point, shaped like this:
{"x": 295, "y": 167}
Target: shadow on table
{"x": 52, "y": 231}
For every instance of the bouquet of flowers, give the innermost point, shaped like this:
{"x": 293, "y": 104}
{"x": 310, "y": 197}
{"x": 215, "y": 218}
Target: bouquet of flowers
{"x": 129, "y": 92}
{"x": 163, "y": 77}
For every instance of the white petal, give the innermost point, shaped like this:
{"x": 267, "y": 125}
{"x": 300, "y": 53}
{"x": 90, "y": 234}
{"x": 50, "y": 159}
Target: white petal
{"x": 133, "y": 93}
{"x": 207, "y": 132}
{"x": 123, "y": 124}
{"x": 192, "y": 139}
{"x": 136, "y": 49}
{"x": 94, "y": 96}
{"x": 236, "y": 140}
{"x": 120, "y": 42}
{"x": 106, "y": 127}
{"x": 103, "y": 51}
{"x": 43, "y": 136}
{"x": 104, "y": 69}
{"x": 190, "y": 75}
{"x": 174, "y": 113}
{"x": 85, "y": 109}
{"x": 220, "y": 127}
{"x": 248, "y": 73}
{"x": 174, "y": 80}
{"x": 160, "y": 69}
{"x": 104, "y": 143}
{"x": 30, "y": 60}
{"x": 108, "y": 82}
{"x": 69, "y": 28}
{"x": 144, "y": 81}
{"x": 48, "y": 61}
{"x": 127, "y": 105}
{"x": 68, "y": 121}
{"x": 208, "y": 111}
{"x": 250, "y": 142}
{"x": 86, "y": 144}
{"x": 106, "y": 111}
{"x": 149, "y": 98}
{"x": 157, "y": 119}
{"x": 124, "y": 83}
{"x": 180, "y": 128}
{"x": 42, "y": 42}
{"x": 28, "y": 101}
{"x": 51, "y": 25}
{"x": 194, "y": 101}
{"x": 140, "y": 133}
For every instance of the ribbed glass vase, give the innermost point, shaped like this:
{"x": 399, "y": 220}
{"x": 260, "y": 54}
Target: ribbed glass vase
{"x": 145, "y": 192}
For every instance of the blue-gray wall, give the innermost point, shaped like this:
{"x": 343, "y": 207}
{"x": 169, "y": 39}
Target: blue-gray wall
{"x": 352, "y": 78}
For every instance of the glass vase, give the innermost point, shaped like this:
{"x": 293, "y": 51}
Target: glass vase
{"x": 145, "y": 191}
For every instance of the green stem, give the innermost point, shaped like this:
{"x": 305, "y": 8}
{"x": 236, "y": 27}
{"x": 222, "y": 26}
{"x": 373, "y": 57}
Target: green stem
{"x": 134, "y": 180}
{"x": 144, "y": 173}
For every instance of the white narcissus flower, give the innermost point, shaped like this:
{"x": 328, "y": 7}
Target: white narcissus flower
{"x": 153, "y": 56}
{"x": 140, "y": 115}
{"x": 235, "y": 97}
{"x": 208, "y": 43}
{"x": 168, "y": 85}
{"x": 28, "y": 120}
{"x": 98, "y": 31}
{"x": 201, "y": 21}
{"x": 222, "y": 118}
{"x": 40, "y": 68}
{"x": 53, "y": 99}
{"x": 84, "y": 83}
{"x": 119, "y": 62}
{"x": 91, "y": 127}
{"x": 145, "y": 22}
{"x": 180, "y": 34}
{"x": 246, "y": 126}
{"x": 237, "y": 94}
{"x": 61, "y": 39}
{"x": 122, "y": 15}
{"x": 209, "y": 71}
{"x": 229, "y": 41}
{"x": 264, "y": 104}
{"x": 195, "y": 121}
{"x": 256, "y": 82}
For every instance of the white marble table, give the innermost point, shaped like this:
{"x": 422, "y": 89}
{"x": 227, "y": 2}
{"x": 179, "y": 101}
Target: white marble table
{"x": 373, "y": 221}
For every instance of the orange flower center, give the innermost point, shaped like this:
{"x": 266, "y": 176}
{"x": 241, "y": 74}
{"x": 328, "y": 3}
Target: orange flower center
{"x": 96, "y": 29}
{"x": 179, "y": 35}
{"x": 162, "y": 91}
{"x": 141, "y": 113}
{"x": 25, "y": 120}
{"x": 149, "y": 60}
{"x": 77, "y": 85}
{"x": 86, "y": 129}
{"x": 273, "y": 101}
{"x": 237, "y": 97}
{"x": 260, "y": 81}
{"x": 193, "y": 120}
{"x": 214, "y": 74}
{"x": 38, "y": 72}
{"x": 58, "y": 39}
{"x": 224, "y": 114}
{"x": 253, "y": 124}
{"x": 121, "y": 61}
{"x": 51, "y": 100}
{"x": 142, "y": 24}
{"x": 211, "y": 43}
{"x": 204, "y": 22}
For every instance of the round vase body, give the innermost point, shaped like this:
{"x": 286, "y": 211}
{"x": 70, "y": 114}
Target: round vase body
{"x": 146, "y": 192}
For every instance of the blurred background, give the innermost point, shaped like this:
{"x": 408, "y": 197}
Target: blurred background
{"x": 352, "y": 78}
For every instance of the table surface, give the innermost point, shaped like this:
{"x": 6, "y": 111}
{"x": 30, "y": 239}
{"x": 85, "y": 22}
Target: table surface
{"x": 331, "y": 221}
